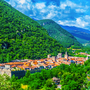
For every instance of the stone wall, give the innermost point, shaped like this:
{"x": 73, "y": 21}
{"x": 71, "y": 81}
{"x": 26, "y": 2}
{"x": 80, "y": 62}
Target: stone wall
{"x": 18, "y": 74}
{"x": 5, "y": 71}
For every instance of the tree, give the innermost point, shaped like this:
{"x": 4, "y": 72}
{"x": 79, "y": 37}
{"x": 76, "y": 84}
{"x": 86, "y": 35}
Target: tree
{"x": 50, "y": 85}
{"x": 27, "y": 75}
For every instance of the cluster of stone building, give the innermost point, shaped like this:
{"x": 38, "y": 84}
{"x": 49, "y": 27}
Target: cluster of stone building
{"x": 18, "y": 67}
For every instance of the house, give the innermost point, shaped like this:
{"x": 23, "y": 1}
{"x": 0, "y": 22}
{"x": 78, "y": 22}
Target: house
{"x": 71, "y": 61}
{"x": 49, "y": 66}
{"x": 56, "y": 80}
{"x": 41, "y": 67}
{"x": 59, "y": 86}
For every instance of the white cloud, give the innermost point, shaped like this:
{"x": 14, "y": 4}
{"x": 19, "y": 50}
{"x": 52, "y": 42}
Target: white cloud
{"x": 50, "y": 15}
{"x": 51, "y": 6}
{"x": 22, "y": 1}
{"x": 78, "y": 23}
{"x": 67, "y": 3}
{"x": 71, "y": 4}
{"x": 66, "y": 22}
{"x": 61, "y": 22}
{"x": 63, "y": 5}
{"x": 80, "y": 10}
{"x": 19, "y": 6}
{"x": 28, "y": 6}
{"x": 40, "y": 5}
{"x": 87, "y": 17}
{"x": 43, "y": 10}
{"x": 81, "y": 22}
{"x": 29, "y": 0}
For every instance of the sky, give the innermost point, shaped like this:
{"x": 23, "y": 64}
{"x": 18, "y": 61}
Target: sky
{"x": 64, "y": 12}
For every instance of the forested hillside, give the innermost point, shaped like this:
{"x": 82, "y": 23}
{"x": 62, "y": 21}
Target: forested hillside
{"x": 61, "y": 35}
{"x": 23, "y": 38}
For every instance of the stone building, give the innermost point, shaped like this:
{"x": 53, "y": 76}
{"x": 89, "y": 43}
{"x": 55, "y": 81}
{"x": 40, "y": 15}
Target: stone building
{"x": 66, "y": 56}
{"x": 54, "y": 58}
{"x": 7, "y": 70}
{"x": 59, "y": 55}
{"x": 49, "y": 56}
{"x": 56, "y": 80}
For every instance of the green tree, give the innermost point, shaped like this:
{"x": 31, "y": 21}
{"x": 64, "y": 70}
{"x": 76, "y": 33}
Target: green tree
{"x": 50, "y": 85}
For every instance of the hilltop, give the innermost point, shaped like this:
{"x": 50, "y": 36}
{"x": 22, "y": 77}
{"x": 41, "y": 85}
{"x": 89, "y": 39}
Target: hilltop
{"x": 61, "y": 35}
{"x": 23, "y": 38}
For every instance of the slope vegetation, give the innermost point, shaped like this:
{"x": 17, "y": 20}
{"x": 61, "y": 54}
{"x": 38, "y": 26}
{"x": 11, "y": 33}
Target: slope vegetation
{"x": 23, "y": 38}
{"x": 55, "y": 31}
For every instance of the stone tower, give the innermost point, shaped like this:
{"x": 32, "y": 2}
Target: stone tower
{"x": 66, "y": 56}
{"x": 54, "y": 58}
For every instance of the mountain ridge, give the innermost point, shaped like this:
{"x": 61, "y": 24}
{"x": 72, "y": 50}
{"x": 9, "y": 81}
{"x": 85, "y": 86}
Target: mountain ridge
{"x": 55, "y": 31}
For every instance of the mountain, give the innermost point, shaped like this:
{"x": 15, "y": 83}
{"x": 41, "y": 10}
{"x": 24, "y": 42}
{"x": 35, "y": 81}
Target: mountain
{"x": 82, "y": 35}
{"x": 61, "y": 35}
{"x": 23, "y": 38}
{"x": 34, "y": 19}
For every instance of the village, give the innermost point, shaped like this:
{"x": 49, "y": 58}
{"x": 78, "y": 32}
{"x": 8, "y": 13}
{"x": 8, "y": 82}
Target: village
{"x": 19, "y": 67}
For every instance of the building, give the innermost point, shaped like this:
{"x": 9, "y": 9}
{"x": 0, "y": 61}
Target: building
{"x": 56, "y": 80}
{"x": 59, "y": 55}
{"x": 49, "y": 56}
{"x": 7, "y": 70}
{"x": 66, "y": 56}
{"x": 19, "y": 68}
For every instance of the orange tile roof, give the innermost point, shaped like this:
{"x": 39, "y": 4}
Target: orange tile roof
{"x": 14, "y": 63}
{"x": 13, "y": 66}
{"x": 49, "y": 58}
{"x": 2, "y": 64}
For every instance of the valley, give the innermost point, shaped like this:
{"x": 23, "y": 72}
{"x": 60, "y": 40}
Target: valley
{"x": 41, "y": 54}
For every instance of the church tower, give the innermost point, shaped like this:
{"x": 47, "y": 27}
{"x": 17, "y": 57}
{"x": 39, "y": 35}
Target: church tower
{"x": 66, "y": 56}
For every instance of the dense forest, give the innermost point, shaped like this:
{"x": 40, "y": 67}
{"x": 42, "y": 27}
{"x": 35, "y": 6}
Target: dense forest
{"x": 72, "y": 77}
{"x": 57, "y": 32}
{"x": 23, "y": 38}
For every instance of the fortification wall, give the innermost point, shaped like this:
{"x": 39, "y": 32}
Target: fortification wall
{"x": 5, "y": 71}
{"x": 18, "y": 74}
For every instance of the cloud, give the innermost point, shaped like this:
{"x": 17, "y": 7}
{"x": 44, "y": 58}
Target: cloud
{"x": 51, "y": 6}
{"x": 43, "y": 11}
{"x": 40, "y": 5}
{"x": 79, "y": 22}
{"x": 22, "y": 1}
{"x": 63, "y": 5}
{"x": 67, "y": 23}
{"x": 50, "y": 15}
{"x": 28, "y": 6}
{"x": 80, "y": 10}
